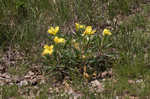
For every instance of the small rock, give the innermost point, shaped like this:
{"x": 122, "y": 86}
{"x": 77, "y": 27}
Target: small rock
{"x": 2, "y": 78}
{"x": 42, "y": 82}
{"x": 33, "y": 81}
{"x": 104, "y": 74}
{"x": 11, "y": 83}
{"x": 6, "y": 75}
{"x": 2, "y": 69}
{"x": 27, "y": 77}
{"x": 30, "y": 73}
{"x": 8, "y": 81}
{"x": 98, "y": 85}
{"x": 131, "y": 81}
{"x": 23, "y": 83}
{"x": 1, "y": 83}
{"x": 139, "y": 81}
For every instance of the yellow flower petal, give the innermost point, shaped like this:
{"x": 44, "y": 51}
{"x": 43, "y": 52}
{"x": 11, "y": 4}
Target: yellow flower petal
{"x": 106, "y": 32}
{"x": 93, "y": 31}
{"x": 89, "y": 30}
{"x": 46, "y": 46}
{"x": 56, "y": 29}
{"x": 50, "y": 31}
{"x": 82, "y": 26}
{"x": 51, "y": 47}
{"x": 53, "y": 30}
{"x": 59, "y": 40}
{"x": 79, "y": 26}
{"x": 47, "y": 50}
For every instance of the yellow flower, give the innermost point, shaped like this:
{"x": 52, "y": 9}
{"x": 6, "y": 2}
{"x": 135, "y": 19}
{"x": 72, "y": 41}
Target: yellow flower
{"x": 53, "y": 30}
{"x": 89, "y": 30}
{"x": 106, "y": 32}
{"x": 59, "y": 40}
{"x": 79, "y": 26}
{"x": 47, "y": 50}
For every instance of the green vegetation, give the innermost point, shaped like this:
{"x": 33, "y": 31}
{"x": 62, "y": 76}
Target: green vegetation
{"x": 91, "y": 37}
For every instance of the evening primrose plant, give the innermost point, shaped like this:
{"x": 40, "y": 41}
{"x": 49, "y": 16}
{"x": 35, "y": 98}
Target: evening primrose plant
{"x": 80, "y": 52}
{"x": 105, "y": 33}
